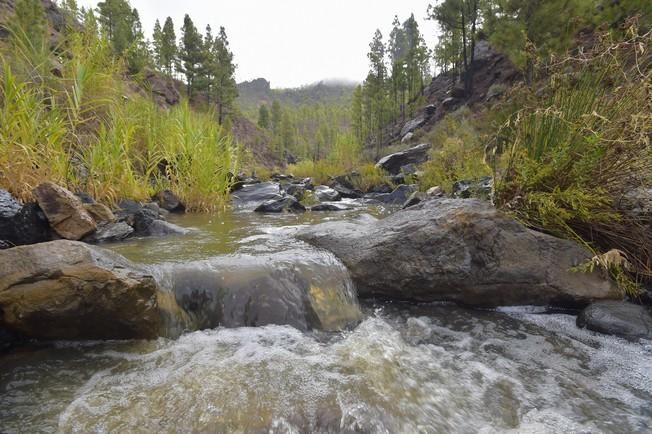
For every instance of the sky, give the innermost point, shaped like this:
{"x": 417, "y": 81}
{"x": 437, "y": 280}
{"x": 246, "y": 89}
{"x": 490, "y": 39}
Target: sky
{"x": 292, "y": 42}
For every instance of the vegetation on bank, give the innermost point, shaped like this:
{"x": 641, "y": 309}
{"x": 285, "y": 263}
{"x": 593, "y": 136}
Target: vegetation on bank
{"x": 68, "y": 115}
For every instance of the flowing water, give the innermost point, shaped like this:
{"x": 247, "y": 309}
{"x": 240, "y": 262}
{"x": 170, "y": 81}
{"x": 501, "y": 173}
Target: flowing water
{"x": 399, "y": 368}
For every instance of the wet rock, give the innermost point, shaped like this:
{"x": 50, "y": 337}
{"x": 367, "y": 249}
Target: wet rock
{"x": 327, "y": 194}
{"x": 169, "y": 201}
{"x": 146, "y": 222}
{"x": 71, "y": 290}
{"x": 8, "y": 339}
{"x": 287, "y": 203}
{"x": 257, "y": 193}
{"x": 9, "y": 206}
{"x": 295, "y": 190}
{"x": 638, "y": 202}
{"x": 618, "y": 318}
{"x": 329, "y": 207}
{"x": 392, "y": 163}
{"x": 397, "y": 197}
{"x": 343, "y": 186}
{"x": 27, "y": 226}
{"x": 415, "y": 198}
{"x": 110, "y": 232}
{"x": 64, "y": 211}
{"x": 460, "y": 250}
{"x": 100, "y": 213}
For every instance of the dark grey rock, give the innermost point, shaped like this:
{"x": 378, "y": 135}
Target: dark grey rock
{"x": 414, "y": 199}
{"x": 326, "y": 194}
{"x": 28, "y": 225}
{"x": 9, "y": 206}
{"x": 618, "y": 318}
{"x": 392, "y": 163}
{"x": 383, "y": 187}
{"x": 84, "y": 197}
{"x": 397, "y": 197}
{"x": 329, "y": 207}
{"x": 462, "y": 251}
{"x": 296, "y": 190}
{"x": 287, "y": 203}
{"x": 257, "y": 193}
{"x": 412, "y": 125}
{"x": 110, "y": 232}
{"x": 169, "y": 201}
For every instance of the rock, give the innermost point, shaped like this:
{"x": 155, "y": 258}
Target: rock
{"x": 27, "y": 226}
{"x": 110, "y": 232}
{"x": 254, "y": 295}
{"x": 329, "y": 207}
{"x": 257, "y": 193}
{"x": 287, "y": 203}
{"x": 415, "y": 198}
{"x": 412, "y": 125}
{"x": 397, "y": 197}
{"x": 383, "y": 187}
{"x": 458, "y": 91}
{"x": 327, "y": 194}
{"x": 64, "y": 211}
{"x": 462, "y": 251}
{"x": 100, "y": 213}
{"x": 161, "y": 87}
{"x": 153, "y": 206}
{"x": 7, "y": 339}
{"x": 71, "y": 290}
{"x": 392, "y": 163}
{"x": 347, "y": 192}
{"x": 169, "y": 201}
{"x": 449, "y": 103}
{"x": 9, "y": 206}
{"x": 430, "y": 110}
{"x": 618, "y": 318}
{"x": 481, "y": 188}
{"x": 435, "y": 192}
{"x": 84, "y": 197}
{"x": 146, "y": 222}
{"x": 409, "y": 169}
{"x": 406, "y": 138}
{"x": 295, "y": 190}
{"x": 638, "y": 202}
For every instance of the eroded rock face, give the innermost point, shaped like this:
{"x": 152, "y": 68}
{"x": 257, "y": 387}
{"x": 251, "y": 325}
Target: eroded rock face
{"x": 617, "y": 318}
{"x": 463, "y": 251}
{"x": 392, "y": 163}
{"x": 64, "y": 211}
{"x": 70, "y": 290}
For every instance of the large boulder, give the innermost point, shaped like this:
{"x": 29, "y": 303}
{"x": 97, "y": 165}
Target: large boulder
{"x": 21, "y": 224}
{"x": 64, "y": 211}
{"x": 71, "y": 290}
{"x": 412, "y": 125}
{"x": 462, "y": 251}
{"x": 618, "y": 318}
{"x": 392, "y": 163}
{"x": 145, "y": 220}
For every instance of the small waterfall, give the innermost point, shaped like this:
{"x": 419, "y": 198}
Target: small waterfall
{"x": 306, "y": 289}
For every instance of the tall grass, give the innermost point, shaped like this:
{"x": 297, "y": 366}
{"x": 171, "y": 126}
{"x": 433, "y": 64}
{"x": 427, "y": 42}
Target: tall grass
{"x": 78, "y": 124}
{"x": 579, "y": 145}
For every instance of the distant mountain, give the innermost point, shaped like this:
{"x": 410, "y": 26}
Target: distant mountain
{"x": 256, "y": 92}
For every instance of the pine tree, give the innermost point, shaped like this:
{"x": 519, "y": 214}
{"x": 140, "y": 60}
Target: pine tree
{"x": 224, "y": 85}
{"x": 263, "y": 117}
{"x": 276, "y": 117}
{"x": 357, "y": 120}
{"x": 116, "y": 20}
{"x": 376, "y": 84}
{"x": 207, "y": 64}
{"x": 168, "y": 46}
{"x": 157, "y": 44}
{"x": 190, "y": 52}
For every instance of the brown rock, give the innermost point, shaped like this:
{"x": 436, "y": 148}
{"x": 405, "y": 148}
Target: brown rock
{"x": 100, "y": 212}
{"x": 64, "y": 211}
{"x": 71, "y": 290}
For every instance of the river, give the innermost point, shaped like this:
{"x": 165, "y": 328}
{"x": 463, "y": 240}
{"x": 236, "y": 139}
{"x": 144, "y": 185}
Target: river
{"x": 431, "y": 368}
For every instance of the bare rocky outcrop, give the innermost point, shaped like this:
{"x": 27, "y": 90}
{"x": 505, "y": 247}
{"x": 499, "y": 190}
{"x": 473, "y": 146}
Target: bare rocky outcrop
{"x": 70, "y": 290}
{"x": 463, "y": 251}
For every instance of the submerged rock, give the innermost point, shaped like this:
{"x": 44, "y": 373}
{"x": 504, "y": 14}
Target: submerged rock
{"x": 327, "y": 194}
{"x": 617, "y": 318}
{"x": 287, "y": 203}
{"x": 329, "y": 207}
{"x": 64, "y": 211}
{"x": 392, "y": 163}
{"x": 71, "y": 290}
{"x": 460, "y": 250}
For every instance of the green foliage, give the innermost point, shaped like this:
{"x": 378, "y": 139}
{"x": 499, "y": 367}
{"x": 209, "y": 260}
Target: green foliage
{"x": 85, "y": 130}
{"x": 457, "y": 153}
{"x": 578, "y": 145}
{"x": 263, "y": 117}
{"x": 30, "y": 19}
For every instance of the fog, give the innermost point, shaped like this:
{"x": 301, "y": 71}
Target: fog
{"x": 292, "y": 42}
